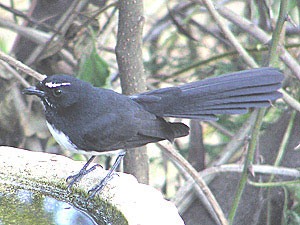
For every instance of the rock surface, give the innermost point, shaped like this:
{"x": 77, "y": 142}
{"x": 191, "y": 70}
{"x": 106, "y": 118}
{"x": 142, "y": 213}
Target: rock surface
{"x": 139, "y": 203}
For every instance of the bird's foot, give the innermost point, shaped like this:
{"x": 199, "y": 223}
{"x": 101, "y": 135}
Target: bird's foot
{"x": 77, "y": 177}
{"x": 108, "y": 177}
{"x": 98, "y": 188}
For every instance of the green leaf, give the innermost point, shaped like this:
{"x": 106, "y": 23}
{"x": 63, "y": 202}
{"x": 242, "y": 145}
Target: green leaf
{"x": 94, "y": 69}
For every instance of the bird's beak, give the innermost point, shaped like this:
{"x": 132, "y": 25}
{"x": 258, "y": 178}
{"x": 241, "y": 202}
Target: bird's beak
{"x": 33, "y": 91}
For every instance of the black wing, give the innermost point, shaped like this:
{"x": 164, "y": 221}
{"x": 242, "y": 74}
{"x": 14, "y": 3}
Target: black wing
{"x": 128, "y": 130}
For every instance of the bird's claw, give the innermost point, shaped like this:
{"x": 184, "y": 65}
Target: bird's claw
{"x": 98, "y": 188}
{"x": 77, "y": 177}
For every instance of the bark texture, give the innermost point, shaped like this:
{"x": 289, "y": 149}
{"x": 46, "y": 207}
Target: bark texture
{"x": 130, "y": 62}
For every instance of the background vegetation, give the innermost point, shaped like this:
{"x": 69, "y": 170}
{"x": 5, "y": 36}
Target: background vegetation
{"x": 183, "y": 41}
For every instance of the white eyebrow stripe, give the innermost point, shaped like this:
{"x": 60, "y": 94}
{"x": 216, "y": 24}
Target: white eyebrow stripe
{"x": 54, "y": 85}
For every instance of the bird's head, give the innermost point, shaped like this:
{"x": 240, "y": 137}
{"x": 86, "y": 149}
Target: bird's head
{"x": 58, "y": 91}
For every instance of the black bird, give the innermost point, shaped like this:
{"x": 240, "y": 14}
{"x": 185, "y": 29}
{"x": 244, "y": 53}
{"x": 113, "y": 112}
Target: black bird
{"x": 92, "y": 120}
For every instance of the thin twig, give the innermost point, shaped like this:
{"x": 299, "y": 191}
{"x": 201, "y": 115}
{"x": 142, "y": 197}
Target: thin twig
{"x": 253, "y": 143}
{"x": 220, "y": 128}
{"x": 213, "y": 59}
{"x": 261, "y": 169}
{"x": 61, "y": 27}
{"x": 89, "y": 20}
{"x": 273, "y": 56}
{"x": 279, "y": 157}
{"x": 247, "y": 164}
{"x": 285, "y": 141}
{"x": 290, "y": 100}
{"x": 274, "y": 184}
{"x": 168, "y": 149}
{"x": 37, "y": 36}
{"x": 185, "y": 194}
{"x": 219, "y": 20}
{"x": 20, "y": 66}
{"x": 16, "y": 12}
{"x": 260, "y": 35}
{"x": 15, "y": 73}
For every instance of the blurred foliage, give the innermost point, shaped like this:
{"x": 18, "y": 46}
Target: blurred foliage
{"x": 181, "y": 44}
{"x": 94, "y": 69}
{"x": 292, "y": 215}
{"x": 3, "y": 45}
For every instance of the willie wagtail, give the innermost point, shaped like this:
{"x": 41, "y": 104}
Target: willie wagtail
{"x": 92, "y": 120}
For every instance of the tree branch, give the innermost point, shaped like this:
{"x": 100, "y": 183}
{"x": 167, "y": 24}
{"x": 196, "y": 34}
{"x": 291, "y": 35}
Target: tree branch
{"x": 20, "y": 66}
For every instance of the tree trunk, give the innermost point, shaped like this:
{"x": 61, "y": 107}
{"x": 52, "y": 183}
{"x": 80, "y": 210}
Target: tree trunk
{"x": 130, "y": 62}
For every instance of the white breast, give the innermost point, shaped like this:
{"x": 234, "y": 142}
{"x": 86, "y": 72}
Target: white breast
{"x": 65, "y": 142}
{"x": 61, "y": 138}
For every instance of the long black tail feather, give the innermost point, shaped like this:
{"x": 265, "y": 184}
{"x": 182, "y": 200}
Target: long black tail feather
{"x": 228, "y": 94}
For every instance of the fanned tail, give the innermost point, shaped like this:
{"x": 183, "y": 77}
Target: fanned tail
{"x": 228, "y": 94}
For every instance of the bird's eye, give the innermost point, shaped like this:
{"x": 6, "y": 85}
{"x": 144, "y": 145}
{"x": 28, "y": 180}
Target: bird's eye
{"x": 57, "y": 92}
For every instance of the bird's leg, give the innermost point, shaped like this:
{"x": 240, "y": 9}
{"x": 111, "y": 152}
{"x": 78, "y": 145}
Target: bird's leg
{"x": 77, "y": 177}
{"x": 108, "y": 177}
